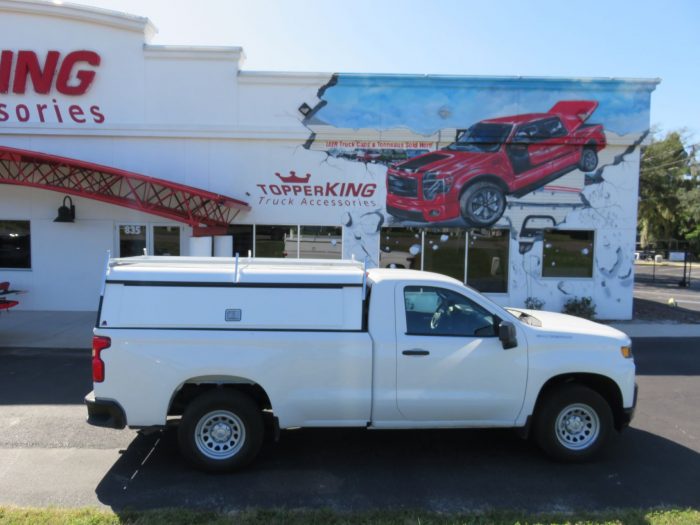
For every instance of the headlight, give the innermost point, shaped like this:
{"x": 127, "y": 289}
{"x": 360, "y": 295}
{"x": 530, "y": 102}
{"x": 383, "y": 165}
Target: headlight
{"x": 432, "y": 185}
{"x": 626, "y": 352}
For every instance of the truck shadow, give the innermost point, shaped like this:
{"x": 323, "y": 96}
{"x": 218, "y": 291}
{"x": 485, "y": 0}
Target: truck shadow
{"x": 438, "y": 470}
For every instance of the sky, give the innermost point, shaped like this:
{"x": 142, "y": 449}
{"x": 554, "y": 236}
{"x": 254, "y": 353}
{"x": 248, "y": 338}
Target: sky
{"x": 624, "y": 38}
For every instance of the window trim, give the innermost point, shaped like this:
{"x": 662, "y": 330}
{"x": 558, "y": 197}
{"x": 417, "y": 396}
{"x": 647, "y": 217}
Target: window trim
{"x": 31, "y": 247}
{"x": 506, "y": 266}
{"x": 338, "y": 226}
{"x": 150, "y": 235}
{"x": 117, "y": 238}
{"x": 496, "y": 318}
{"x": 151, "y": 246}
{"x": 465, "y": 235}
{"x": 575, "y": 278}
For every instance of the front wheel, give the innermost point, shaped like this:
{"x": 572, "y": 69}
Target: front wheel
{"x": 573, "y": 423}
{"x": 589, "y": 160}
{"x": 482, "y": 203}
{"x": 221, "y": 431}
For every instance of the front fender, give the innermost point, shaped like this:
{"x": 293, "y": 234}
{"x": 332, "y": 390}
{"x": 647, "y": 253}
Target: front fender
{"x": 606, "y": 362}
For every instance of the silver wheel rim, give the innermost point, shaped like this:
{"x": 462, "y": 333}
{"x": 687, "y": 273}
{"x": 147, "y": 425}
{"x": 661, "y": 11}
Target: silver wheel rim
{"x": 589, "y": 160}
{"x": 486, "y": 204}
{"x": 577, "y": 426}
{"x": 220, "y": 434}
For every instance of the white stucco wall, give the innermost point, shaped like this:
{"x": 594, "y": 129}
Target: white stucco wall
{"x": 189, "y": 115}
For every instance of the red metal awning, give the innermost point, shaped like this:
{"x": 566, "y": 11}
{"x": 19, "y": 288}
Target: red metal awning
{"x": 178, "y": 202}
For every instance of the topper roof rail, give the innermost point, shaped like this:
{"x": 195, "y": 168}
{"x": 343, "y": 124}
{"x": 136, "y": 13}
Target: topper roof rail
{"x": 244, "y": 262}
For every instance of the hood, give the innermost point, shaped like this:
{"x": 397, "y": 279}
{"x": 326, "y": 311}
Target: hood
{"x": 556, "y": 323}
{"x": 445, "y": 160}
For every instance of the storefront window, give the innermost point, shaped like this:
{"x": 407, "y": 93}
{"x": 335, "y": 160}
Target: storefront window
{"x": 276, "y": 241}
{"x": 132, "y": 239}
{"x": 400, "y": 248}
{"x": 166, "y": 240}
{"x": 487, "y": 260}
{"x": 15, "y": 244}
{"x": 242, "y": 239}
{"x": 444, "y": 251}
{"x": 321, "y": 242}
{"x": 567, "y": 253}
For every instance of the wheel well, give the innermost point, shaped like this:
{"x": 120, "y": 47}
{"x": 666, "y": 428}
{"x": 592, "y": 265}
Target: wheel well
{"x": 485, "y": 178}
{"x": 591, "y": 143}
{"x": 603, "y": 385}
{"x": 193, "y": 389}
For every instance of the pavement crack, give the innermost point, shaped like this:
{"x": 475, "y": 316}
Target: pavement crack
{"x": 143, "y": 463}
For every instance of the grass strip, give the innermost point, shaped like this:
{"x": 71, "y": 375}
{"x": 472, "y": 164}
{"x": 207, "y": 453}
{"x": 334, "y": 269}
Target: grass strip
{"x": 88, "y": 516}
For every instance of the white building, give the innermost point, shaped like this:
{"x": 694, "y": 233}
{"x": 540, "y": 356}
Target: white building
{"x": 295, "y": 164}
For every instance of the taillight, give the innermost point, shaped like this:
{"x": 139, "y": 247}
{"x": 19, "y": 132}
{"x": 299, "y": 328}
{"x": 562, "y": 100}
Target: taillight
{"x": 99, "y": 343}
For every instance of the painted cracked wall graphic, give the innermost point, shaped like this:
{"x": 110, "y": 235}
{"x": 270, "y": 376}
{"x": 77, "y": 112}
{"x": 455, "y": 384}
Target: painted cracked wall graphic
{"x": 462, "y": 165}
{"x": 446, "y": 154}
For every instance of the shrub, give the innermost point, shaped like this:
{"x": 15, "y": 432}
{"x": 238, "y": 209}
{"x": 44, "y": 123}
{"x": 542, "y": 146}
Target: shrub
{"x": 533, "y": 303}
{"x": 580, "y": 307}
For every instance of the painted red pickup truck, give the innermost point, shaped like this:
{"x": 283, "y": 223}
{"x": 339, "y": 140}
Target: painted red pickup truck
{"x": 494, "y": 158}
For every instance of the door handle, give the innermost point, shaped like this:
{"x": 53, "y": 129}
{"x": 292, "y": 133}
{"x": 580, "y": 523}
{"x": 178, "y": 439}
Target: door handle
{"x": 415, "y": 351}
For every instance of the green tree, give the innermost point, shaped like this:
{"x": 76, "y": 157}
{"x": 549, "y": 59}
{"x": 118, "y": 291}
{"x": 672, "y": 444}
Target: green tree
{"x": 669, "y": 207}
{"x": 690, "y": 203}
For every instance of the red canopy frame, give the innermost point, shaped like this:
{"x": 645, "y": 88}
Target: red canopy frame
{"x": 178, "y": 202}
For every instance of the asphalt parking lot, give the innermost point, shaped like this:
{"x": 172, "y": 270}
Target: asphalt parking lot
{"x": 49, "y": 456}
{"x": 660, "y": 282}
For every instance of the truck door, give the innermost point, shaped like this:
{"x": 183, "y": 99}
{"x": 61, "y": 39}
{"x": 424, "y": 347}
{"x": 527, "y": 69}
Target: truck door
{"x": 451, "y": 366}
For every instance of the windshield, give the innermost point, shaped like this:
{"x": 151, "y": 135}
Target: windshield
{"x": 482, "y": 138}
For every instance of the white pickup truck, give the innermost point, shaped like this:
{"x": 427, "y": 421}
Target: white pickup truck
{"x": 223, "y": 345}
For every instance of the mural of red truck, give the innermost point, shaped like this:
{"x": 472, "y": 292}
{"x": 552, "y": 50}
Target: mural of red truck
{"x": 494, "y": 158}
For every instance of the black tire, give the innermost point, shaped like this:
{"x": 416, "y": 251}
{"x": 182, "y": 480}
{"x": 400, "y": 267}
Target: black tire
{"x": 238, "y": 422}
{"x": 482, "y": 203}
{"x": 590, "y": 423}
{"x": 589, "y": 159}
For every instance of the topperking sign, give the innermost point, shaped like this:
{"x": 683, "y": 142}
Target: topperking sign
{"x": 24, "y": 72}
{"x": 294, "y": 190}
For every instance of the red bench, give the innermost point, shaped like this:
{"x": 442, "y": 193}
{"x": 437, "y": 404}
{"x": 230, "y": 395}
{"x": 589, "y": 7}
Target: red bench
{"x": 6, "y": 305}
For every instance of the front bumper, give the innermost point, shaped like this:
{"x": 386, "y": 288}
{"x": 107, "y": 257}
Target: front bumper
{"x": 104, "y": 412}
{"x": 442, "y": 208}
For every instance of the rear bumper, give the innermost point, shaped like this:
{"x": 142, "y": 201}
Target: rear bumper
{"x": 628, "y": 413}
{"x": 104, "y": 412}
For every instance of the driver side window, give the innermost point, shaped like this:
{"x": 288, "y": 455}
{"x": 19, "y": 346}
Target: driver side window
{"x": 439, "y": 311}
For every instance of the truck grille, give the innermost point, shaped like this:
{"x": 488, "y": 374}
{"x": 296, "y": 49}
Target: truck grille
{"x": 402, "y": 186}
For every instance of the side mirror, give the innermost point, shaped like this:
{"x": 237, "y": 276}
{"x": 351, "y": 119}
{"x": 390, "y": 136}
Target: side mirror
{"x": 507, "y": 335}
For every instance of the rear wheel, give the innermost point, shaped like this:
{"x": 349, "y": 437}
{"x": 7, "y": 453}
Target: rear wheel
{"x": 482, "y": 203}
{"x": 221, "y": 431}
{"x": 573, "y": 423}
